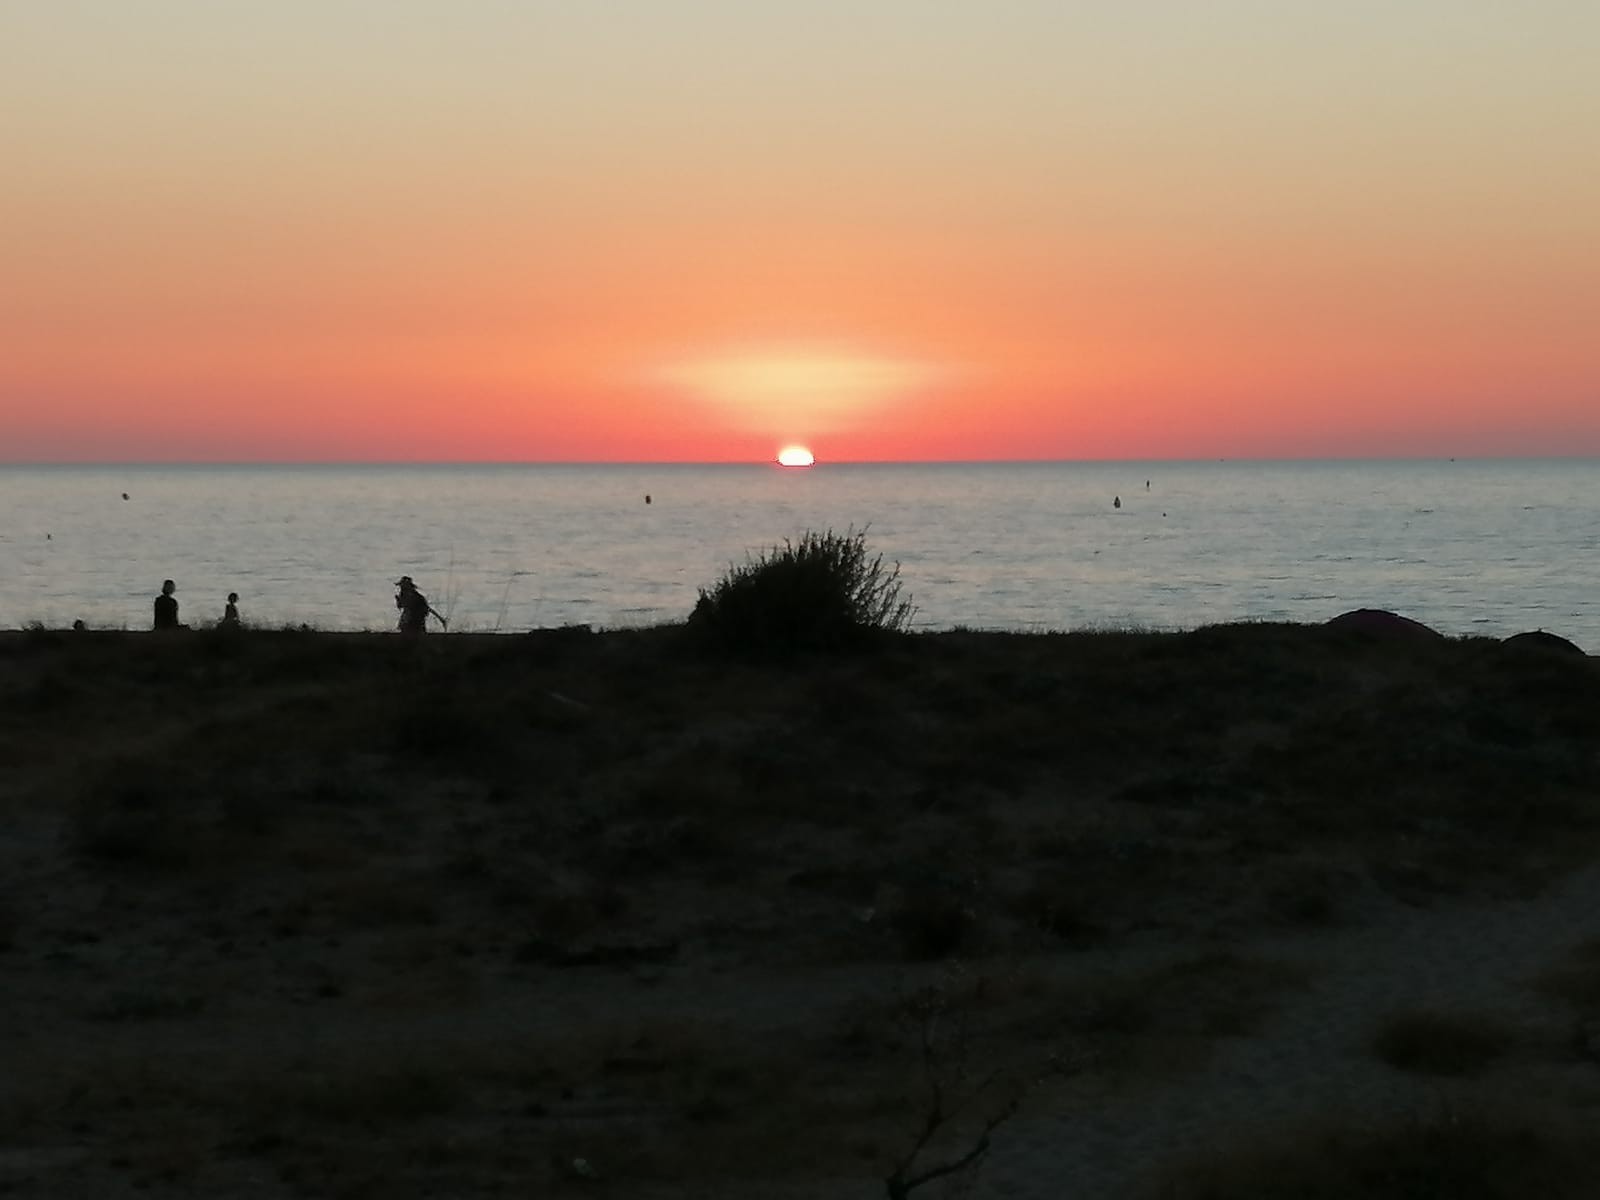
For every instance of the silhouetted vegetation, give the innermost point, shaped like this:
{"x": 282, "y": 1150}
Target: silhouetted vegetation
{"x": 268, "y": 870}
{"x": 1576, "y": 979}
{"x": 1436, "y": 1043}
{"x": 823, "y": 592}
{"x": 1451, "y": 1156}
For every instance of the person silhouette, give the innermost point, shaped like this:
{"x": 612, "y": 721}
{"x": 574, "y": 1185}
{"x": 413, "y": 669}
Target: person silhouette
{"x": 230, "y": 613}
{"x": 166, "y": 608}
{"x": 414, "y": 607}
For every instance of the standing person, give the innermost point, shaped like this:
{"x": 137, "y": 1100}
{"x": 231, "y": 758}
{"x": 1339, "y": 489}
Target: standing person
{"x": 230, "y": 613}
{"x": 414, "y": 607}
{"x": 167, "y": 607}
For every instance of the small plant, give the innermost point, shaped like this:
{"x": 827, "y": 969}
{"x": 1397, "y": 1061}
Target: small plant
{"x": 1576, "y": 979}
{"x": 942, "y": 1015}
{"x": 386, "y": 1092}
{"x": 1433, "y": 1043}
{"x": 1501, "y": 1154}
{"x": 145, "y": 1006}
{"x": 822, "y": 592}
{"x": 933, "y": 924}
{"x": 134, "y": 815}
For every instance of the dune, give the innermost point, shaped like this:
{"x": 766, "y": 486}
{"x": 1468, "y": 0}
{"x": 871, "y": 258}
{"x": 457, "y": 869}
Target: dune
{"x": 579, "y": 914}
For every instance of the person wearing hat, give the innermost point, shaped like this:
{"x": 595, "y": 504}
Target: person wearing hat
{"x": 414, "y": 607}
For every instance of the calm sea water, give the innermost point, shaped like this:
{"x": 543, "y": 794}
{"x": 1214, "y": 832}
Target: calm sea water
{"x": 1480, "y": 547}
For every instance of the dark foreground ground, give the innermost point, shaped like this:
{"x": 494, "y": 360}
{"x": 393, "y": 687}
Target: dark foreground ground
{"x": 302, "y": 914}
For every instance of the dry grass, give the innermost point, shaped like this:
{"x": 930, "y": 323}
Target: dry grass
{"x": 537, "y": 845}
{"x": 1576, "y": 980}
{"x": 1437, "y": 1043}
{"x": 1491, "y": 1155}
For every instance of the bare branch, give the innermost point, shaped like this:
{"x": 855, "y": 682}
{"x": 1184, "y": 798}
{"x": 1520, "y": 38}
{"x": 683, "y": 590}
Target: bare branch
{"x": 928, "y": 1007}
{"x": 979, "y": 1149}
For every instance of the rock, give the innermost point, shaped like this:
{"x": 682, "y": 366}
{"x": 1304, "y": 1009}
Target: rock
{"x": 1538, "y": 639}
{"x": 1381, "y": 623}
{"x": 1586, "y": 1040}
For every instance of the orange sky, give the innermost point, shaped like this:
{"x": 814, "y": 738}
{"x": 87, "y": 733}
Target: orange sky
{"x": 377, "y": 231}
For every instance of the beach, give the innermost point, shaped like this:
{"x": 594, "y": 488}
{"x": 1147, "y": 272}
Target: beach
{"x": 572, "y": 913}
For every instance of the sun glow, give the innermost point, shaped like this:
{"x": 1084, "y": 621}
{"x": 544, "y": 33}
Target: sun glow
{"x": 795, "y": 456}
{"x": 797, "y": 391}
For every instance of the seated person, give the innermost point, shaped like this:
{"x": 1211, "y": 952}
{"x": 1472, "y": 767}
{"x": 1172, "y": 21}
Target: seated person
{"x": 167, "y": 607}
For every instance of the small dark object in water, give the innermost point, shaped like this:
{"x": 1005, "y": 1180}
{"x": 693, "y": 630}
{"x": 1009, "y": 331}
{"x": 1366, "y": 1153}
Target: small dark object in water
{"x": 1538, "y": 639}
{"x": 647, "y": 497}
{"x": 124, "y": 495}
{"x": 78, "y": 626}
{"x": 1382, "y": 623}
{"x": 1116, "y": 502}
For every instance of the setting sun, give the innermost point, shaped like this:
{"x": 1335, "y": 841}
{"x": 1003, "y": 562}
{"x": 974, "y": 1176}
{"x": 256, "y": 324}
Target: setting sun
{"x": 795, "y": 456}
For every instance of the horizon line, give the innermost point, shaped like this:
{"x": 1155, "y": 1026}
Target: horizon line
{"x": 772, "y": 462}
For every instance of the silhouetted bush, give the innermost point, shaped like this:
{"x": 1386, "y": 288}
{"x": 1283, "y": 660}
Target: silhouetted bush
{"x": 134, "y": 815}
{"x": 1434, "y": 1043}
{"x": 1493, "y": 1155}
{"x": 932, "y": 924}
{"x": 820, "y": 593}
{"x": 1576, "y": 978}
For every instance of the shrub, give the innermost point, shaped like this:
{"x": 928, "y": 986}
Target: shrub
{"x": 933, "y": 924}
{"x": 136, "y": 814}
{"x": 820, "y": 593}
{"x": 1435, "y": 1043}
{"x": 1449, "y": 1156}
{"x": 1576, "y": 979}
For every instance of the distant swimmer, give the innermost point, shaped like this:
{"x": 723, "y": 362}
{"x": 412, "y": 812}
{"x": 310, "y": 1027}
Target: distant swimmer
{"x": 1147, "y": 485}
{"x": 1116, "y": 502}
{"x": 647, "y": 497}
{"x": 124, "y": 495}
{"x": 414, "y": 607}
{"x": 230, "y": 613}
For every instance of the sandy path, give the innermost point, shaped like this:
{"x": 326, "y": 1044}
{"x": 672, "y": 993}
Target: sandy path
{"x": 1089, "y": 1137}
{"x": 1311, "y": 1057}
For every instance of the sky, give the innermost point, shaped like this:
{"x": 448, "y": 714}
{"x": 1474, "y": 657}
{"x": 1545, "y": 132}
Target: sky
{"x": 699, "y": 230}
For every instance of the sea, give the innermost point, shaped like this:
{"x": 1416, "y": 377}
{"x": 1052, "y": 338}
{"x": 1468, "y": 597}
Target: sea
{"x": 1469, "y": 547}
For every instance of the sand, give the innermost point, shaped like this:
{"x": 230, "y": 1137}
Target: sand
{"x": 600, "y": 914}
